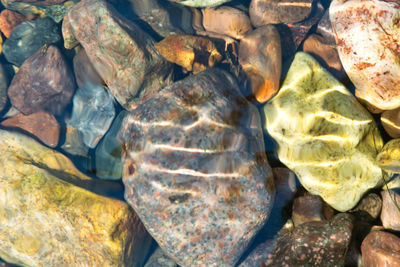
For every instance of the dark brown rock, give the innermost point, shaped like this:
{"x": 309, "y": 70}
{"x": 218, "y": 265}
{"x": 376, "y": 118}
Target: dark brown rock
{"x": 84, "y": 70}
{"x": 37, "y": 2}
{"x": 380, "y": 249}
{"x": 44, "y": 82}
{"x": 309, "y": 208}
{"x": 4, "y": 80}
{"x": 370, "y": 206}
{"x": 390, "y": 215}
{"x": 9, "y": 20}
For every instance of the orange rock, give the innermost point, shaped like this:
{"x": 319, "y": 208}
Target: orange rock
{"x": 260, "y": 56}
{"x": 380, "y": 249}
{"x": 391, "y": 122}
{"x": 40, "y": 124}
{"x": 193, "y": 53}
{"x": 9, "y": 20}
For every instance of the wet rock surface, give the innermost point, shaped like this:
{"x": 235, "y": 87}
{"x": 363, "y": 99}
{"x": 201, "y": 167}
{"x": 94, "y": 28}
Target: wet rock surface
{"x": 390, "y": 120}
{"x": 308, "y": 208}
{"x": 84, "y": 70}
{"x": 213, "y": 194}
{"x": 389, "y": 157}
{"x": 200, "y": 3}
{"x": 4, "y": 82}
{"x": 390, "y": 215}
{"x": 381, "y": 249}
{"x": 159, "y": 259}
{"x": 9, "y": 20}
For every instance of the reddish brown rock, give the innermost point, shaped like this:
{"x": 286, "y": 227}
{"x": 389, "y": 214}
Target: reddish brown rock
{"x": 390, "y": 215}
{"x": 41, "y": 124}
{"x": 310, "y": 208}
{"x": 84, "y": 70}
{"x": 370, "y": 206}
{"x": 9, "y": 20}
{"x": 37, "y": 2}
{"x": 391, "y": 122}
{"x": 44, "y": 82}
{"x": 380, "y": 249}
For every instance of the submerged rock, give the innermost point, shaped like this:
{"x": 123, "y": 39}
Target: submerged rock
{"x": 389, "y": 157}
{"x": 159, "y": 259}
{"x": 9, "y": 20}
{"x": 390, "y": 215}
{"x": 310, "y": 208}
{"x": 195, "y": 169}
{"x": 123, "y": 54}
{"x": 84, "y": 70}
{"x": 391, "y": 122}
{"x": 381, "y": 249}
{"x": 3, "y": 87}
{"x": 201, "y": 3}
{"x": 74, "y": 142}
{"x": 48, "y": 220}
{"x": 325, "y": 136}
{"x": 37, "y": 2}
{"x": 367, "y": 37}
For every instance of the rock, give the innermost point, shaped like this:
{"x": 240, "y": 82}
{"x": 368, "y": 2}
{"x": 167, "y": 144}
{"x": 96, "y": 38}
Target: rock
{"x": 259, "y": 254}
{"x": 195, "y": 169}
{"x": 309, "y": 208}
{"x": 322, "y": 243}
{"x": 93, "y": 112}
{"x": 325, "y": 29}
{"x": 74, "y": 142}
{"x": 159, "y": 259}
{"x": 367, "y": 38}
{"x": 260, "y": 56}
{"x": 35, "y": 124}
{"x": 37, "y": 2}
{"x": 389, "y": 157}
{"x": 370, "y": 206}
{"x": 123, "y": 55}
{"x": 390, "y": 215}
{"x": 3, "y": 87}
{"x": 226, "y": 20}
{"x": 381, "y": 249}
{"x": 109, "y": 152}
{"x": 9, "y": 20}
{"x": 60, "y": 222}
{"x": 28, "y": 37}
{"x": 44, "y": 82}
{"x": 263, "y": 12}
{"x": 84, "y": 70}
{"x": 324, "y": 135}
{"x": 390, "y": 120}
{"x": 201, "y": 3}
{"x": 193, "y": 53}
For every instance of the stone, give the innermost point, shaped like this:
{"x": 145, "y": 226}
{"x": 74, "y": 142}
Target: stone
{"x": 109, "y": 152}
{"x": 260, "y": 56}
{"x": 93, "y": 112}
{"x": 390, "y": 120}
{"x": 309, "y": 208}
{"x": 259, "y": 254}
{"x": 263, "y": 12}
{"x": 201, "y": 3}
{"x": 37, "y": 2}
{"x": 381, "y": 249}
{"x": 390, "y": 215}
{"x": 322, "y": 243}
{"x": 367, "y": 37}
{"x": 44, "y": 82}
{"x": 28, "y": 37}
{"x": 73, "y": 143}
{"x": 35, "y": 124}
{"x": 123, "y": 54}
{"x": 60, "y": 223}
{"x": 324, "y": 135}
{"x": 9, "y": 20}
{"x": 226, "y": 20}
{"x": 193, "y": 53}
{"x": 3, "y": 87}
{"x": 84, "y": 70}
{"x": 389, "y": 157}
{"x": 325, "y": 29}
{"x": 159, "y": 259}
{"x": 370, "y": 205}
{"x": 195, "y": 169}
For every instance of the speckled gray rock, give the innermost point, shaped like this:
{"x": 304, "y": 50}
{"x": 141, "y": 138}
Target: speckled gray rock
{"x": 93, "y": 112}
{"x": 28, "y": 37}
{"x": 195, "y": 169}
{"x": 159, "y": 259}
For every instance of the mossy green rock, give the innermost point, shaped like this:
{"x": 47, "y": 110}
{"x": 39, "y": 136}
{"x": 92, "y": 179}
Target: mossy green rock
{"x": 47, "y": 220}
{"x": 325, "y": 136}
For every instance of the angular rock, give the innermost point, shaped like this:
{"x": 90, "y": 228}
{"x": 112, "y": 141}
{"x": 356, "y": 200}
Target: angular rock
{"x": 370, "y": 206}
{"x": 9, "y": 20}
{"x": 84, "y": 70}
{"x": 324, "y": 135}
{"x": 367, "y": 37}
{"x": 44, "y": 82}
{"x": 390, "y": 215}
{"x": 260, "y": 56}
{"x": 389, "y": 157}
{"x": 201, "y": 3}
{"x": 41, "y": 124}
{"x": 193, "y": 53}
{"x": 123, "y": 55}
{"x": 308, "y": 208}
{"x": 263, "y": 12}
{"x": 93, "y": 112}
{"x": 313, "y": 244}
{"x": 390, "y": 120}
{"x": 195, "y": 169}
{"x": 48, "y": 220}
{"x": 381, "y": 249}
{"x": 226, "y": 20}
{"x": 109, "y": 152}
{"x": 74, "y": 142}
{"x": 159, "y": 259}
{"x": 28, "y": 37}
{"x": 37, "y": 2}
{"x": 3, "y": 87}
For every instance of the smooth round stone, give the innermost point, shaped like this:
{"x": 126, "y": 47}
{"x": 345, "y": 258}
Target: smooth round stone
{"x": 381, "y": 249}
{"x": 324, "y": 135}
{"x": 370, "y": 205}
{"x": 389, "y": 157}
{"x": 201, "y": 3}
{"x": 309, "y": 208}
{"x": 9, "y": 20}
{"x": 391, "y": 122}
{"x": 390, "y": 215}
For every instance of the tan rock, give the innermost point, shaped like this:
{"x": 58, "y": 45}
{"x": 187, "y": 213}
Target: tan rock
{"x": 47, "y": 220}
{"x": 325, "y": 136}
{"x": 391, "y": 122}
{"x": 380, "y": 249}
{"x": 389, "y": 157}
{"x": 9, "y": 20}
{"x": 390, "y": 215}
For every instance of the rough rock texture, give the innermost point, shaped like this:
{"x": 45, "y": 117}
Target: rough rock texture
{"x": 3, "y": 87}
{"x": 390, "y": 215}
{"x": 93, "y": 112}
{"x": 389, "y": 157}
{"x": 37, "y": 2}
{"x": 9, "y": 20}
{"x": 325, "y": 136}
{"x": 84, "y": 70}
{"x": 367, "y": 37}
{"x": 195, "y": 169}
{"x": 381, "y": 249}
{"x": 259, "y": 254}
{"x": 313, "y": 244}
{"x": 309, "y": 208}
{"x": 264, "y": 12}
{"x": 391, "y": 122}
{"x": 193, "y": 53}
{"x": 41, "y": 124}
{"x": 47, "y": 220}
{"x": 159, "y": 259}
{"x": 260, "y": 56}
{"x": 28, "y": 37}
{"x": 370, "y": 206}
{"x": 123, "y": 54}
{"x": 201, "y": 3}
{"x": 44, "y": 82}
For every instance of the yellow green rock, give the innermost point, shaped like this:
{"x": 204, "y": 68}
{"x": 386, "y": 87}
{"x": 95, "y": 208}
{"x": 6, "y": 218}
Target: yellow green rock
{"x": 324, "y": 135}
{"x": 47, "y": 220}
{"x": 389, "y": 157}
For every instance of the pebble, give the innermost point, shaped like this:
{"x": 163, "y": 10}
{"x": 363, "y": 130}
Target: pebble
{"x": 4, "y": 81}
{"x": 9, "y": 20}
{"x": 381, "y": 249}
{"x": 310, "y": 208}
{"x": 84, "y": 70}
{"x": 370, "y": 206}
{"x": 389, "y": 157}
{"x": 390, "y": 215}
{"x": 160, "y": 259}
{"x": 73, "y": 143}
{"x": 201, "y": 3}
{"x": 390, "y": 120}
